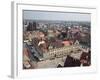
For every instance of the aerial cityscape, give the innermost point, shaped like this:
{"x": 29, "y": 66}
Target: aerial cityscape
{"x": 56, "y": 43}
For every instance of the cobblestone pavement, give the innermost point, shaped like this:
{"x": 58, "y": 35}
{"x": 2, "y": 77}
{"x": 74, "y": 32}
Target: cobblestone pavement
{"x": 51, "y": 63}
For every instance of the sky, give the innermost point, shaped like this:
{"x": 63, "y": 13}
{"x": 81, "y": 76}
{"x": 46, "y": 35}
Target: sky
{"x": 61, "y": 16}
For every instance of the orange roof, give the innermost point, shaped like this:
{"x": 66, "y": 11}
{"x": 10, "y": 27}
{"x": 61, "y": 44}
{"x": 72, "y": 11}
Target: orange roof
{"x": 66, "y": 43}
